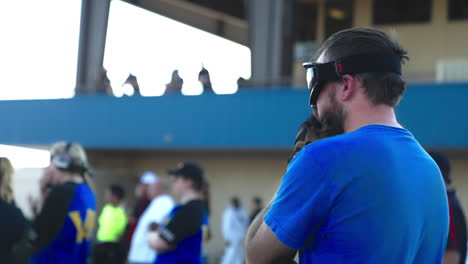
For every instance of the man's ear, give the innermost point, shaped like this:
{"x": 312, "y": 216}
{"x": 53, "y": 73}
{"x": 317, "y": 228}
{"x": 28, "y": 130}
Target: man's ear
{"x": 348, "y": 89}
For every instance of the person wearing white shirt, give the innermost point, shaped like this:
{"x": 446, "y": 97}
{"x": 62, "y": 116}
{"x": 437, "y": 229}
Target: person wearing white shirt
{"x": 160, "y": 206}
{"x": 235, "y": 225}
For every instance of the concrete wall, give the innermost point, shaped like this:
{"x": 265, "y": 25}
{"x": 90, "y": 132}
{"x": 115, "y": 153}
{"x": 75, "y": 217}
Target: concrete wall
{"x": 426, "y": 43}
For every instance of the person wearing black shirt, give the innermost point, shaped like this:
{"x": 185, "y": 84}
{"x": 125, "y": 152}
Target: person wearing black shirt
{"x": 457, "y": 239}
{"x": 179, "y": 240}
{"x": 256, "y": 208}
{"x": 13, "y": 222}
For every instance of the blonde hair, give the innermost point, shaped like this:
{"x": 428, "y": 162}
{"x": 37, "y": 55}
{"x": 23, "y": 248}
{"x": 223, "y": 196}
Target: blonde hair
{"x": 77, "y": 153}
{"x": 6, "y": 178}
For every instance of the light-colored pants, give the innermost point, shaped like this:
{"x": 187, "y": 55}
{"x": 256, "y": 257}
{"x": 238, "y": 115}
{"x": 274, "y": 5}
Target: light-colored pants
{"x": 234, "y": 253}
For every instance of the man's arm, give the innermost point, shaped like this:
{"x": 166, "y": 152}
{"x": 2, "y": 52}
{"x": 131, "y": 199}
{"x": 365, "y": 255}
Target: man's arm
{"x": 157, "y": 243}
{"x": 50, "y": 220}
{"x": 186, "y": 222}
{"x": 297, "y": 211}
{"x": 451, "y": 257}
{"x": 262, "y": 245}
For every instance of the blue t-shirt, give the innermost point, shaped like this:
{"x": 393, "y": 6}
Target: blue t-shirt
{"x": 183, "y": 231}
{"x": 69, "y": 217}
{"x": 370, "y": 196}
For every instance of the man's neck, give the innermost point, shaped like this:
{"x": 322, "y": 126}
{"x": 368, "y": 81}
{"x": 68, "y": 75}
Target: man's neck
{"x": 74, "y": 178}
{"x": 157, "y": 195}
{"x": 370, "y": 115}
{"x": 189, "y": 196}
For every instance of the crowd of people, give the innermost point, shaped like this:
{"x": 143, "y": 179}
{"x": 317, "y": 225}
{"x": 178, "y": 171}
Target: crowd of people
{"x": 64, "y": 226}
{"x": 168, "y": 224}
{"x": 173, "y": 87}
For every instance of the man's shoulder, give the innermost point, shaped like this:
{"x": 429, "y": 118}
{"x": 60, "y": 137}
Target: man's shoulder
{"x": 161, "y": 202}
{"x": 328, "y": 146}
{"x": 64, "y": 188}
{"x": 196, "y": 205}
{"x": 164, "y": 198}
{"x": 341, "y": 144}
{"x": 10, "y": 211}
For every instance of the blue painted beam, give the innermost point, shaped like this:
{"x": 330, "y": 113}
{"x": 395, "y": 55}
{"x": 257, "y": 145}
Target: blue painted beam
{"x": 436, "y": 114}
{"x": 252, "y": 119}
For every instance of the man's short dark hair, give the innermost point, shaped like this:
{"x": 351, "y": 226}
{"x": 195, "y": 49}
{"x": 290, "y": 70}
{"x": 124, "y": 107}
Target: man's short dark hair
{"x": 117, "y": 191}
{"x": 381, "y": 87}
{"x": 235, "y": 202}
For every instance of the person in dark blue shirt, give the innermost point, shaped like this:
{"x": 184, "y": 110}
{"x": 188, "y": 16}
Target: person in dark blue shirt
{"x": 179, "y": 240}
{"x": 368, "y": 193}
{"x": 62, "y": 231}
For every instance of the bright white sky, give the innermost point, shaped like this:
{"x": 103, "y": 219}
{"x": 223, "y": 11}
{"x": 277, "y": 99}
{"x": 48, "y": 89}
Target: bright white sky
{"x": 39, "y": 50}
{"x": 26, "y": 157}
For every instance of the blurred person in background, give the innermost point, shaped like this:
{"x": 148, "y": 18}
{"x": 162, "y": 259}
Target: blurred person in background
{"x": 133, "y": 82}
{"x": 175, "y": 85}
{"x": 104, "y": 83}
{"x": 235, "y": 225}
{"x": 143, "y": 199}
{"x": 322, "y": 208}
{"x": 256, "y": 207}
{"x": 62, "y": 231}
{"x": 206, "y": 229}
{"x": 455, "y": 252}
{"x": 112, "y": 223}
{"x": 112, "y": 220}
{"x": 204, "y": 79}
{"x": 160, "y": 206}
{"x": 13, "y": 222}
{"x": 179, "y": 239}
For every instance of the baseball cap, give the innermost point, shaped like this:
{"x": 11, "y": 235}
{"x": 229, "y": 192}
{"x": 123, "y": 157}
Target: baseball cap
{"x": 148, "y": 178}
{"x": 189, "y": 170}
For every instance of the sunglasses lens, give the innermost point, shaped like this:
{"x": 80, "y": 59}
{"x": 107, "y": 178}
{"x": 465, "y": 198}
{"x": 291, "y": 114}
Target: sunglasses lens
{"x": 310, "y": 77}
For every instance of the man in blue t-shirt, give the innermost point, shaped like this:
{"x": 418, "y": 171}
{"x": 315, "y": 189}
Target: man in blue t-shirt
{"x": 368, "y": 192}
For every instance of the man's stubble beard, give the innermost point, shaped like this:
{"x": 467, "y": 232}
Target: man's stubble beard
{"x": 332, "y": 120}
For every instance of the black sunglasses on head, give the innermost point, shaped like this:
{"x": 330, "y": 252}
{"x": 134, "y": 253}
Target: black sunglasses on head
{"x": 320, "y": 73}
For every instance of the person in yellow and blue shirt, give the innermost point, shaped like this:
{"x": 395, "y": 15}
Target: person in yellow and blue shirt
{"x": 62, "y": 231}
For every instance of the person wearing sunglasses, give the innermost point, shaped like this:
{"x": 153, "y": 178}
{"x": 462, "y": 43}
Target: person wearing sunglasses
{"x": 368, "y": 194}
{"x": 64, "y": 226}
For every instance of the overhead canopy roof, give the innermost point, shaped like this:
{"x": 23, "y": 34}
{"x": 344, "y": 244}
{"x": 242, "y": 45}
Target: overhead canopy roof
{"x": 226, "y": 19}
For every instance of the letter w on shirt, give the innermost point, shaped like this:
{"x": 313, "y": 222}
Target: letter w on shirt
{"x": 86, "y": 230}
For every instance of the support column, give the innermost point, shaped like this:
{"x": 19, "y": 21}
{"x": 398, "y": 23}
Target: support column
{"x": 270, "y": 37}
{"x": 93, "y": 29}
